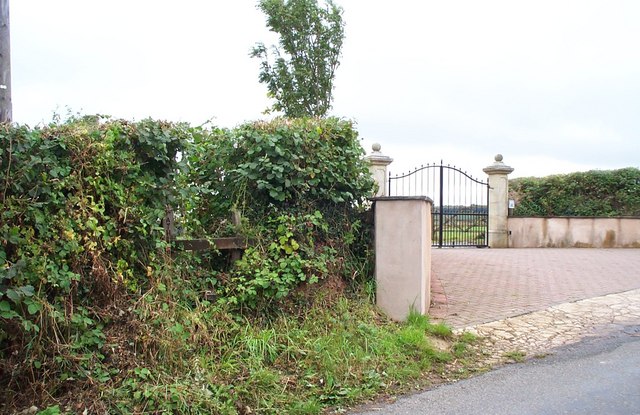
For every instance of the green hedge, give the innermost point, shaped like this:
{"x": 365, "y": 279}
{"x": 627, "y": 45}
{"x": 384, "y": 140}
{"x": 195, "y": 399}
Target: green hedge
{"x": 81, "y": 210}
{"x": 592, "y": 193}
{"x": 283, "y": 164}
{"x": 300, "y": 185}
{"x": 83, "y": 255}
{"x": 80, "y": 231}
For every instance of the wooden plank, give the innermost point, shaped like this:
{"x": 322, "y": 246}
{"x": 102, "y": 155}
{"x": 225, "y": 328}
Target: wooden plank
{"x": 169, "y": 224}
{"x": 234, "y": 242}
{"x": 222, "y": 244}
{"x": 192, "y": 244}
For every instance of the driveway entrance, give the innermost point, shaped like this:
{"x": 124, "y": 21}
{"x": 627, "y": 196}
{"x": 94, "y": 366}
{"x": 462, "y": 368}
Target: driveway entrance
{"x": 460, "y": 213}
{"x": 472, "y": 286}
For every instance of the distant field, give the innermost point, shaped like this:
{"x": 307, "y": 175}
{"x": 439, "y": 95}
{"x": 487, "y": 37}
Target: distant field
{"x": 461, "y": 235}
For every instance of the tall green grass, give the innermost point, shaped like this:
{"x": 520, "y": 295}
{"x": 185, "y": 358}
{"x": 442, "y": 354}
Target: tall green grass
{"x": 328, "y": 355}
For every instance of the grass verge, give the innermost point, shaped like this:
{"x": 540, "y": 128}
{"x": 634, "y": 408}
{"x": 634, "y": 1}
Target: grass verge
{"x": 166, "y": 357}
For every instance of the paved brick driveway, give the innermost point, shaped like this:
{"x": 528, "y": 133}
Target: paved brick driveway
{"x": 471, "y": 286}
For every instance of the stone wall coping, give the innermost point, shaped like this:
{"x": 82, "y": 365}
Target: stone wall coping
{"x": 498, "y": 169}
{"x": 400, "y": 198}
{"x": 574, "y": 217}
{"x": 379, "y": 159}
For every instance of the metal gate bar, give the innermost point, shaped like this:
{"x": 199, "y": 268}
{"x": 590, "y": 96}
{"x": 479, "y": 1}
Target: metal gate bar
{"x": 461, "y": 203}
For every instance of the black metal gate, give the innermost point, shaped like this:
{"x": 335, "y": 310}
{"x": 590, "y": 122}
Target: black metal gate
{"x": 460, "y": 203}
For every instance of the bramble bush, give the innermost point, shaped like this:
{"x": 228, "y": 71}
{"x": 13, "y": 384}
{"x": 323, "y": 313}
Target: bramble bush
{"x": 592, "y": 193}
{"x": 89, "y": 294}
{"x": 301, "y": 187}
{"x": 79, "y": 230}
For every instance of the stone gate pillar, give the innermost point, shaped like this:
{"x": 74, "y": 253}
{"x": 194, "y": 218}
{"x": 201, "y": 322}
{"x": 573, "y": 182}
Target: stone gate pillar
{"x": 498, "y": 202}
{"x": 378, "y": 167}
{"x": 403, "y": 255}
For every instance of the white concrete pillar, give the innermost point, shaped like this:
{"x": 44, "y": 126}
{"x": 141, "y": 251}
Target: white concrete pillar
{"x": 498, "y": 202}
{"x": 378, "y": 167}
{"x": 403, "y": 255}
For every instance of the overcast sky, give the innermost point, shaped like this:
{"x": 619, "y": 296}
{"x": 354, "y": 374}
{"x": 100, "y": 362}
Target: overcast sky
{"x": 553, "y": 85}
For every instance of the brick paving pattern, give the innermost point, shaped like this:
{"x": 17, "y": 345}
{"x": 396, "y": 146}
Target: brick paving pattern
{"x": 473, "y": 286}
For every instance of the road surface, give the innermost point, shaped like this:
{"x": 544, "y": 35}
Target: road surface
{"x": 599, "y": 375}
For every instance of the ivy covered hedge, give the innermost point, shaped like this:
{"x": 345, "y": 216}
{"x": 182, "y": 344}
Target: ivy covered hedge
{"x": 299, "y": 185}
{"x": 79, "y": 234}
{"x": 592, "y": 193}
{"x": 81, "y": 204}
{"x": 83, "y": 253}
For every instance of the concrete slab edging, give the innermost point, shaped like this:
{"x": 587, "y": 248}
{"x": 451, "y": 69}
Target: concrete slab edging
{"x": 541, "y": 331}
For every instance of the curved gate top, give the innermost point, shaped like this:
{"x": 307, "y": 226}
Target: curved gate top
{"x": 460, "y": 215}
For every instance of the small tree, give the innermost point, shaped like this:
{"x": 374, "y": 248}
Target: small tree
{"x": 299, "y": 73}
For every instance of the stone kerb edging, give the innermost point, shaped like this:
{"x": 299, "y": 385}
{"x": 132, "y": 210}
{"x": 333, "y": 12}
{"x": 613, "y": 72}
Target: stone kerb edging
{"x": 539, "y": 332}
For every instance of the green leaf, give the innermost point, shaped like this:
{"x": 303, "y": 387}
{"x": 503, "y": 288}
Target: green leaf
{"x": 27, "y": 290}
{"x": 14, "y": 235}
{"x": 52, "y": 410}
{"x": 8, "y": 314}
{"x": 29, "y": 326}
{"x": 34, "y": 307}
{"x": 14, "y": 295}
{"x": 274, "y": 194}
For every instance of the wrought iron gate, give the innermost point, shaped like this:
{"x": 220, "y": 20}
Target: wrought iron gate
{"x": 460, "y": 214}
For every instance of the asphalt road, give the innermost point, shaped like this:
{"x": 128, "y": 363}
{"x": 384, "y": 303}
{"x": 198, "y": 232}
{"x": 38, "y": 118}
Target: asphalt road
{"x": 596, "y": 376}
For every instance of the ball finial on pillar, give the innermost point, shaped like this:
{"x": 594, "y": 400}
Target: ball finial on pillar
{"x": 378, "y": 163}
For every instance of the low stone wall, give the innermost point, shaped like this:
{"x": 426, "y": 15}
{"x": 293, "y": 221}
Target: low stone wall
{"x": 574, "y": 232}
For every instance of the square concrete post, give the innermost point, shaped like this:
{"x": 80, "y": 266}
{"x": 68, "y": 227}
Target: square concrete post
{"x": 378, "y": 167}
{"x": 403, "y": 255}
{"x": 498, "y": 203}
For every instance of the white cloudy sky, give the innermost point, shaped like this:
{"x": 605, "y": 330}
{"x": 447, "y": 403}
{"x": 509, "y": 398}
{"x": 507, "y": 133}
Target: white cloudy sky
{"x": 554, "y": 85}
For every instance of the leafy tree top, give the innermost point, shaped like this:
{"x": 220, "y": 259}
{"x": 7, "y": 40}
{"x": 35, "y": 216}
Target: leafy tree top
{"x": 299, "y": 72}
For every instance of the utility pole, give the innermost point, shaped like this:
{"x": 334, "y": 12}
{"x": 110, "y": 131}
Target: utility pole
{"x": 5, "y": 63}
